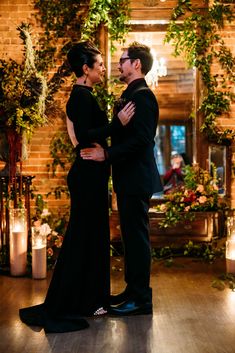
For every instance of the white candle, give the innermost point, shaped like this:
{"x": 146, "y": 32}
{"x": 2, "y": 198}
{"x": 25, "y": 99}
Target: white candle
{"x": 230, "y": 266}
{"x": 39, "y": 262}
{"x": 230, "y": 249}
{"x": 18, "y": 241}
{"x": 230, "y": 256}
{"x": 232, "y": 237}
{"x": 18, "y": 253}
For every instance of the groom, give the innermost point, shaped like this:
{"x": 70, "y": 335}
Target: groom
{"x": 135, "y": 179}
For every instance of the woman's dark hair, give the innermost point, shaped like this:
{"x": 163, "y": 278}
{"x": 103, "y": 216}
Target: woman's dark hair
{"x": 140, "y": 51}
{"x": 80, "y": 54}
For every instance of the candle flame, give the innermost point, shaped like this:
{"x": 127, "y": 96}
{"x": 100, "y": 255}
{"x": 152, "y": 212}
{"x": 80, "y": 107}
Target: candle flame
{"x": 18, "y": 227}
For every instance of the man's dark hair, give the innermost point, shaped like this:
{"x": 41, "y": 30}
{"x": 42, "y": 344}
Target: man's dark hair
{"x": 140, "y": 51}
{"x": 80, "y": 54}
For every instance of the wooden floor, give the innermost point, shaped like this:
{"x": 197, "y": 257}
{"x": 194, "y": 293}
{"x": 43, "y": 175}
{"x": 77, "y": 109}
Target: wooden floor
{"x": 189, "y": 316}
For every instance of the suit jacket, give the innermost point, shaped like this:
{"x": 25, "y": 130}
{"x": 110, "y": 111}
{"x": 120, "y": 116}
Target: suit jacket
{"x": 134, "y": 169}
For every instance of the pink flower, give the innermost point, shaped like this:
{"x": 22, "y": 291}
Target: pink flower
{"x": 202, "y": 199}
{"x": 187, "y": 208}
{"x": 163, "y": 208}
{"x": 49, "y": 252}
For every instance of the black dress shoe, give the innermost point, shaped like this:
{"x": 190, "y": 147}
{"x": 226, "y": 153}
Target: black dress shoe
{"x": 118, "y": 299}
{"x": 130, "y": 307}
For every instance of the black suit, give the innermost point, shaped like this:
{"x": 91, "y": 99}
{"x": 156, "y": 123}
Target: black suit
{"x": 135, "y": 179}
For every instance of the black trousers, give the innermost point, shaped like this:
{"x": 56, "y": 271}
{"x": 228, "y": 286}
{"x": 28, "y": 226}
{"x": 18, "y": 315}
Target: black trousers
{"x": 134, "y": 222}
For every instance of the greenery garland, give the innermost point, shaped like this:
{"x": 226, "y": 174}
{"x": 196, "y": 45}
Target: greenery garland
{"x": 62, "y": 25}
{"x": 195, "y": 34}
{"x": 74, "y": 20}
{"x": 113, "y": 14}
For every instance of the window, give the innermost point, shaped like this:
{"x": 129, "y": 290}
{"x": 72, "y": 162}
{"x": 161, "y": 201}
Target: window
{"x": 171, "y": 139}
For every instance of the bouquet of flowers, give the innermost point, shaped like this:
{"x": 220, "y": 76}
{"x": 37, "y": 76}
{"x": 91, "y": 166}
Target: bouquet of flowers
{"x": 198, "y": 193}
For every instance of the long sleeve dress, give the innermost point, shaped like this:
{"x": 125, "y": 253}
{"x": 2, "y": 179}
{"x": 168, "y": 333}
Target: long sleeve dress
{"x": 81, "y": 279}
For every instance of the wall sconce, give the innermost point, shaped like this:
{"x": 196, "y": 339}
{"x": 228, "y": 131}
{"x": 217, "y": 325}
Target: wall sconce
{"x": 39, "y": 253}
{"x": 18, "y": 241}
{"x": 230, "y": 249}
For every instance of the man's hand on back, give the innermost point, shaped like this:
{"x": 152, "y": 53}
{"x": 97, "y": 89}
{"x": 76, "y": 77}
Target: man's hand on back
{"x": 93, "y": 153}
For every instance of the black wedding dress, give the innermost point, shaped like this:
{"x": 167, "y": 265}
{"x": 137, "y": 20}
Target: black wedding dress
{"x": 81, "y": 280}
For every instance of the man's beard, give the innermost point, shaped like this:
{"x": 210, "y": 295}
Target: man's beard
{"x": 123, "y": 78}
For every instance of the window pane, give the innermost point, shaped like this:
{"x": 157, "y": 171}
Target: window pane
{"x": 178, "y": 142}
{"x": 158, "y": 149}
{"x": 169, "y": 138}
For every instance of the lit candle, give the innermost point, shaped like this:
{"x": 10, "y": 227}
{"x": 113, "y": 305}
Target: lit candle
{"x": 232, "y": 236}
{"x": 18, "y": 242}
{"x": 39, "y": 266}
{"x": 39, "y": 260}
{"x": 230, "y": 256}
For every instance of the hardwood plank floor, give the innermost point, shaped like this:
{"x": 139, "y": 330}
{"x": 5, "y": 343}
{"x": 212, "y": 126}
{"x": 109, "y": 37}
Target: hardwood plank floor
{"x": 189, "y": 316}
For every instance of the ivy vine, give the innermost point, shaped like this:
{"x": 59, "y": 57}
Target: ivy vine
{"x": 61, "y": 150}
{"x": 73, "y": 20}
{"x": 62, "y": 26}
{"x": 195, "y": 34}
{"x": 113, "y": 14}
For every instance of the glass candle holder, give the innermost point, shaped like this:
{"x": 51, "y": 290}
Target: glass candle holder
{"x": 39, "y": 253}
{"x": 18, "y": 241}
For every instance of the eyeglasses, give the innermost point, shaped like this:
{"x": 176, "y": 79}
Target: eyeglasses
{"x": 122, "y": 60}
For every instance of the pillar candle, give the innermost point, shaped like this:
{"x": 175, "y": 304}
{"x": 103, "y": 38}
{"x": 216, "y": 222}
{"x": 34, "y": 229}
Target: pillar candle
{"x": 18, "y": 241}
{"x": 18, "y": 253}
{"x": 230, "y": 256}
{"x": 39, "y": 253}
{"x": 39, "y": 262}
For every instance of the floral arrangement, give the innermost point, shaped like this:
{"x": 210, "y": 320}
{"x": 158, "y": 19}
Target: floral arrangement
{"x": 54, "y": 240}
{"x": 198, "y": 193}
{"x": 23, "y": 90}
{"x": 52, "y": 226}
